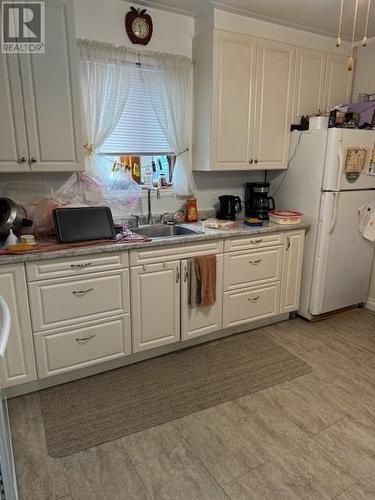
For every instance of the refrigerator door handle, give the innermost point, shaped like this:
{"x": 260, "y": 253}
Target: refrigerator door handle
{"x": 340, "y": 162}
{"x": 336, "y": 198}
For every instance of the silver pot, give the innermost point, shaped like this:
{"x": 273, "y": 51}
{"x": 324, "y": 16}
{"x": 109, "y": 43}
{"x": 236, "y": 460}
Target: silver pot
{"x": 12, "y": 216}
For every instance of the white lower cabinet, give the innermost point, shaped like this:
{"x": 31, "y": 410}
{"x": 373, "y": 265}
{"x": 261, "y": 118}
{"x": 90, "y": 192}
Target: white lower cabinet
{"x": 251, "y": 268}
{"x": 60, "y": 302}
{"x": 88, "y": 310}
{"x": 63, "y": 351}
{"x": 243, "y": 306}
{"x": 18, "y": 366}
{"x": 292, "y": 267}
{"x": 155, "y": 296}
{"x": 198, "y": 321}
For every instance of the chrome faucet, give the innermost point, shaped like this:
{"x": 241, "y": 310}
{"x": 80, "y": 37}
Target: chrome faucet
{"x": 149, "y": 208}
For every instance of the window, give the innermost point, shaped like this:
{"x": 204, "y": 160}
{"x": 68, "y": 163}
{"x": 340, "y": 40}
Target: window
{"x": 138, "y": 139}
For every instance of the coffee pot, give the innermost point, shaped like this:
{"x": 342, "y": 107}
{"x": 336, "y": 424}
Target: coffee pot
{"x": 257, "y": 201}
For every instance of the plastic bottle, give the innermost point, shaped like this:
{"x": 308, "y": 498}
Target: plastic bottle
{"x": 11, "y": 239}
{"x": 191, "y": 210}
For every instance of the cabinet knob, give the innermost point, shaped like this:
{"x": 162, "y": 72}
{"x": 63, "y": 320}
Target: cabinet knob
{"x": 33, "y": 160}
{"x": 251, "y": 161}
{"x": 23, "y": 159}
{"x": 256, "y": 161}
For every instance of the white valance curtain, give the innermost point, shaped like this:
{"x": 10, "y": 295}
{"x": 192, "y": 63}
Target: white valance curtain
{"x": 107, "y": 73}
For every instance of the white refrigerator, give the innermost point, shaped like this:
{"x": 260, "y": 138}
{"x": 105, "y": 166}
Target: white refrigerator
{"x": 329, "y": 179}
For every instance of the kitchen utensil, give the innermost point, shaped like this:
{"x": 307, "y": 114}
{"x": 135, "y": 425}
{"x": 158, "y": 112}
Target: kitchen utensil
{"x": 230, "y": 206}
{"x": 12, "y": 216}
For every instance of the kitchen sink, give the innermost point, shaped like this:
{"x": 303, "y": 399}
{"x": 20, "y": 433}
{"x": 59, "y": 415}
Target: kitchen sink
{"x": 164, "y": 231}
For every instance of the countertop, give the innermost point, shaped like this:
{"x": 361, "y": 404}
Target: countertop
{"x": 207, "y": 234}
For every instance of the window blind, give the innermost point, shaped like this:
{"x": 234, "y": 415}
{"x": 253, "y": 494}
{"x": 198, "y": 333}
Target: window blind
{"x": 138, "y": 130}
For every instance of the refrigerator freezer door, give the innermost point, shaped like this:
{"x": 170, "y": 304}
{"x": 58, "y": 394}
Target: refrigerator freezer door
{"x": 343, "y": 257}
{"x": 339, "y": 140}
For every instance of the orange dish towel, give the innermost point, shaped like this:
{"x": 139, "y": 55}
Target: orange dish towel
{"x": 205, "y": 270}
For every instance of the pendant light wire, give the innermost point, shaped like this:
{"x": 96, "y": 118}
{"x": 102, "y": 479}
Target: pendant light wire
{"x": 338, "y": 39}
{"x": 365, "y": 39}
{"x": 351, "y": 60}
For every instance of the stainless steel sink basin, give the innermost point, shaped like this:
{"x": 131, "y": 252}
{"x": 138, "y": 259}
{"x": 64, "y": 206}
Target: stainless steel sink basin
{"x": 164, "y": 231}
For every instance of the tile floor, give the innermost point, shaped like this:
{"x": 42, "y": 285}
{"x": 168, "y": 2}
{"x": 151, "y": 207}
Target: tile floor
{"x": 309, "y": 438}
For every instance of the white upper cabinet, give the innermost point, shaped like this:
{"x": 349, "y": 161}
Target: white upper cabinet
{"x": 48, "y": 85}
{"x": 13, "y": 140}
{"x": 273, "y": 105}
{"x": 338, "y": 82}
{"x": 309, "y": 82}
{"x": 242, "y": 112}
{"x": 248, "y": 91}
{"x": 232, "y": 113}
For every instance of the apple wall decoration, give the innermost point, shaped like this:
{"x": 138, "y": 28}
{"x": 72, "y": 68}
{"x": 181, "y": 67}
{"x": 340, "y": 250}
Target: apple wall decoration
{"x": 138, "y": 26}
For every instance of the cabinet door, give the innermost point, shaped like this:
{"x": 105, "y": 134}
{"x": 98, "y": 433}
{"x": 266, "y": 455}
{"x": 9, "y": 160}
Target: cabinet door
{"x": 338, "y": 82}
{"x": 13, "y": 143}
{"x": 233, "y": 87}
{"x": 309, "y": 82}
{"x": 197, "y": 321}
{"x": 273, "y": 104}
{"x": 292, "y": 266}
{"x": 155, "y": 298}
{"x": 51, "y": 89}
{"x": 18, "y": 366}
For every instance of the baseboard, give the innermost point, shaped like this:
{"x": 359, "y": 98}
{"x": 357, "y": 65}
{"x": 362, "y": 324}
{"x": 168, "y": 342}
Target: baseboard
{"x": 370, "y": 304}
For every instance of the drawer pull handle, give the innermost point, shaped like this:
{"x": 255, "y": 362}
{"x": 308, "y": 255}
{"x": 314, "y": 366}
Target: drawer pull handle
{"x": 256, "y": 242}
{"x": 85, "y": 340}
{"x": 80, "y": 266}
{"x": 255, "y": 262}
{"x": 254, "y": 299}
{"x": 81, "y": 293}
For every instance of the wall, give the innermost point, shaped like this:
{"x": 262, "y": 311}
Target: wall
{"x": 364, "y": 81}
{"x": 103, "y": 20}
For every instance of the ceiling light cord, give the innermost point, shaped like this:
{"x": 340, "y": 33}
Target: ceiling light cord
{"x": 338, "y": 39}
{"x": 350, "y": 60}
{"x": 365, "y": 39}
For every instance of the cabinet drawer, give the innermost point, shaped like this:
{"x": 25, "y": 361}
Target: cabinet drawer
{"x": 181, "y": 251}
{"x": 252, "y": 304}
{"x": 73, "y": 266}
{"x": 85, "y": 346}
{"x": 252, "y": 268}
{"x": 65, "y": 301}
{"x": 251, "y": 242}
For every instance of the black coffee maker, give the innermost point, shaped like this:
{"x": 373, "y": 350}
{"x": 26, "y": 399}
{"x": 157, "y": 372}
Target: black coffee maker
{"x": 257, "y": 201}
{"x": 230, "y": 206}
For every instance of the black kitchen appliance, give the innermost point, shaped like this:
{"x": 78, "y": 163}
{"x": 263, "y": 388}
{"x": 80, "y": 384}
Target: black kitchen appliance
{"x": 83, "y": 224}
{"x": 257, "y": 201}
{"x": 12, "y": 216}
{"x": 230, "y": 206}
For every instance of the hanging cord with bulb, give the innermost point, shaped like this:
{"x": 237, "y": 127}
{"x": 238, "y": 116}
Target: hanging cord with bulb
{"x": 365, "y": 39}
{"x": 350, "y": 60}
{"x": 338, "y": 39}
